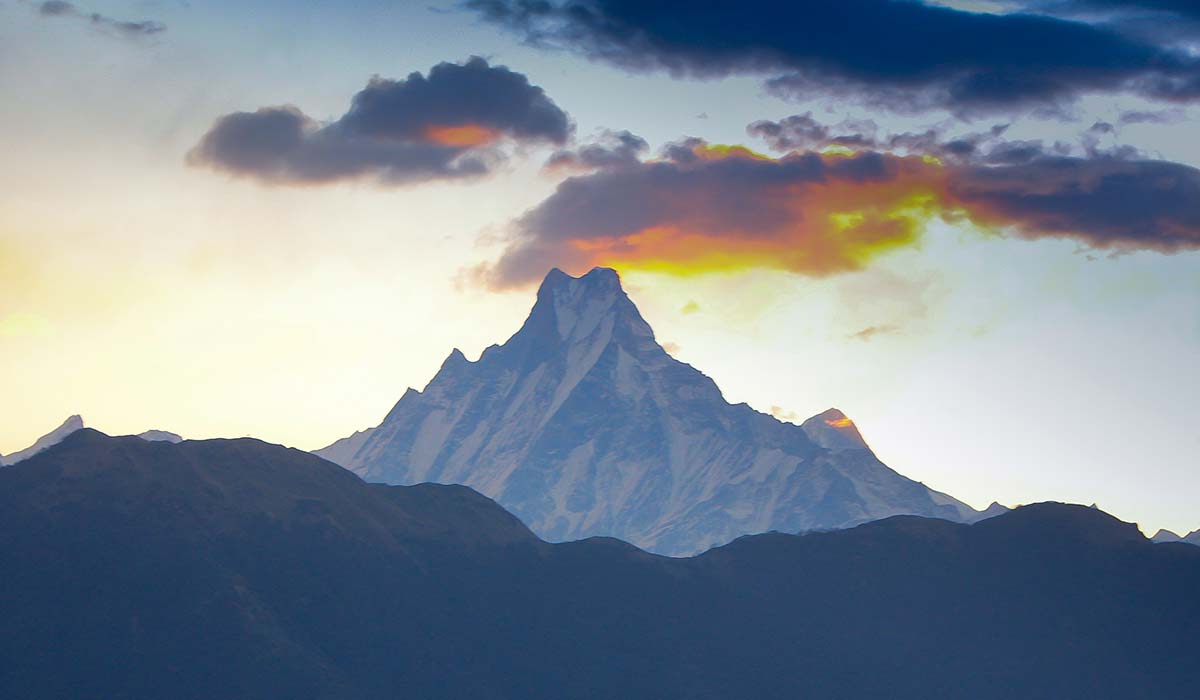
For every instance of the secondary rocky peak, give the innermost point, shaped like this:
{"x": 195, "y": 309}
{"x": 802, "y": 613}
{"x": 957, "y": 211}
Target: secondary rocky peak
{"x": 160, "y": 436}
{"x": 1164, "y": 535}
{"x": 833, "y": 430}
{"x": 69, "y": 426}
{"x": 454, "y": 360}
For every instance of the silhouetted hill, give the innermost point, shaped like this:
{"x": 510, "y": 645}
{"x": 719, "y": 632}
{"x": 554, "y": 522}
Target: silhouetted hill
{"x": 237, "y": 569}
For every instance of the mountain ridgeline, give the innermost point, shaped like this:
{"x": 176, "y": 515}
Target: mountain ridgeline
{"x": 235, "y": 569}
{"x": 69, "y": 426}
{"x": 583, "y": 425}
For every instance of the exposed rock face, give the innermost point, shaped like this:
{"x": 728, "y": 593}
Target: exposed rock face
{"x": 581, "y": 424}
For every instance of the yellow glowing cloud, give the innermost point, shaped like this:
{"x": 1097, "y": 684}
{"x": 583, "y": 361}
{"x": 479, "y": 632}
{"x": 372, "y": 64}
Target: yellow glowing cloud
{"x": 839, "y": 423}
{"x": 715, "y": 151}
{"x": 820, "y": 227}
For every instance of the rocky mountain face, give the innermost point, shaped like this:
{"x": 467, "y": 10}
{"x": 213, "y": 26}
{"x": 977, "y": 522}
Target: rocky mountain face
{"x": 581, "y": 424}
{"x": 236, "y": 569}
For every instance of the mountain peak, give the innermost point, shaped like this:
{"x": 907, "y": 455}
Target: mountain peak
{"x": 454, "y": 360}
{"x": 597, "y": 281}
{"x": 160, "y": 436}
{"x": 833, "y": 430}
{"x": 71, "y": 425}
{"x": 597, "y": 275}
{"x": 578, "y": 307}
{"x": 584, "y": 425}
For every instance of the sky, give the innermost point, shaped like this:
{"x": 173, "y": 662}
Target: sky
{"x": 972, "y": 226}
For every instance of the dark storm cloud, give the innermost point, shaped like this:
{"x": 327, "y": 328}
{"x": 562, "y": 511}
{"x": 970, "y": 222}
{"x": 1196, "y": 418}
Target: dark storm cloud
{"x": 60, "y": 8}
{"x": 1105, "y": 202}
{"x": 614, "y": 149}
{"x": 898, "y": 54}
{"x": 445, "y": 126}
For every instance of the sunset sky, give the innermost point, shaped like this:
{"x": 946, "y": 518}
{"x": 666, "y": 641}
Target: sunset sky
{"x": 270, "y": 218}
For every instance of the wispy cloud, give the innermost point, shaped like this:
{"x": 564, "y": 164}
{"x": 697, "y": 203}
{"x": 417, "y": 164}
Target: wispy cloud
{"x": 104, "y": 23}
{"x": 871, "y": 332}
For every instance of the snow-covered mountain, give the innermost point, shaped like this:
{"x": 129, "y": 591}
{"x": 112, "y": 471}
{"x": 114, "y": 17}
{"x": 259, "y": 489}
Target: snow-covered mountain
{"x": 160, "y": 436}
{"x": 69, "y": 426}
{"x": 581, "y": 424}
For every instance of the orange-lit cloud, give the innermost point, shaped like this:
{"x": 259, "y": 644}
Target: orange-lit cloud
{"x": 704, "y": 208}
{"x": 465, "y": 136}
{"x": 418, "y": 129}
{"x": 839, "y": 423}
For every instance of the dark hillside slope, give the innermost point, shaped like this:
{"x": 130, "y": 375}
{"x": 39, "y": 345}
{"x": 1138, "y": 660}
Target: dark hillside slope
{"x": 237, "y": 569}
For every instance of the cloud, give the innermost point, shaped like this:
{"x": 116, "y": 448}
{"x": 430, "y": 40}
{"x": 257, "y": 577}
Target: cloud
{"x": 448, "y": 125}
{"x": 701, "y": 207}
{"x": 1125, "y": 9}
{"x": 1104, "y": 202}
{"x": 785, "y": 415}
{"x": 1152, "y": 117}
{"x": 132, "y": 30}
{"x": 614, "y": 149}
{"x": 805, "y": 133}
{"x": 871, "y": 332}
{"x": 896, "y": 54}
{"x": 690, "y": 308}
